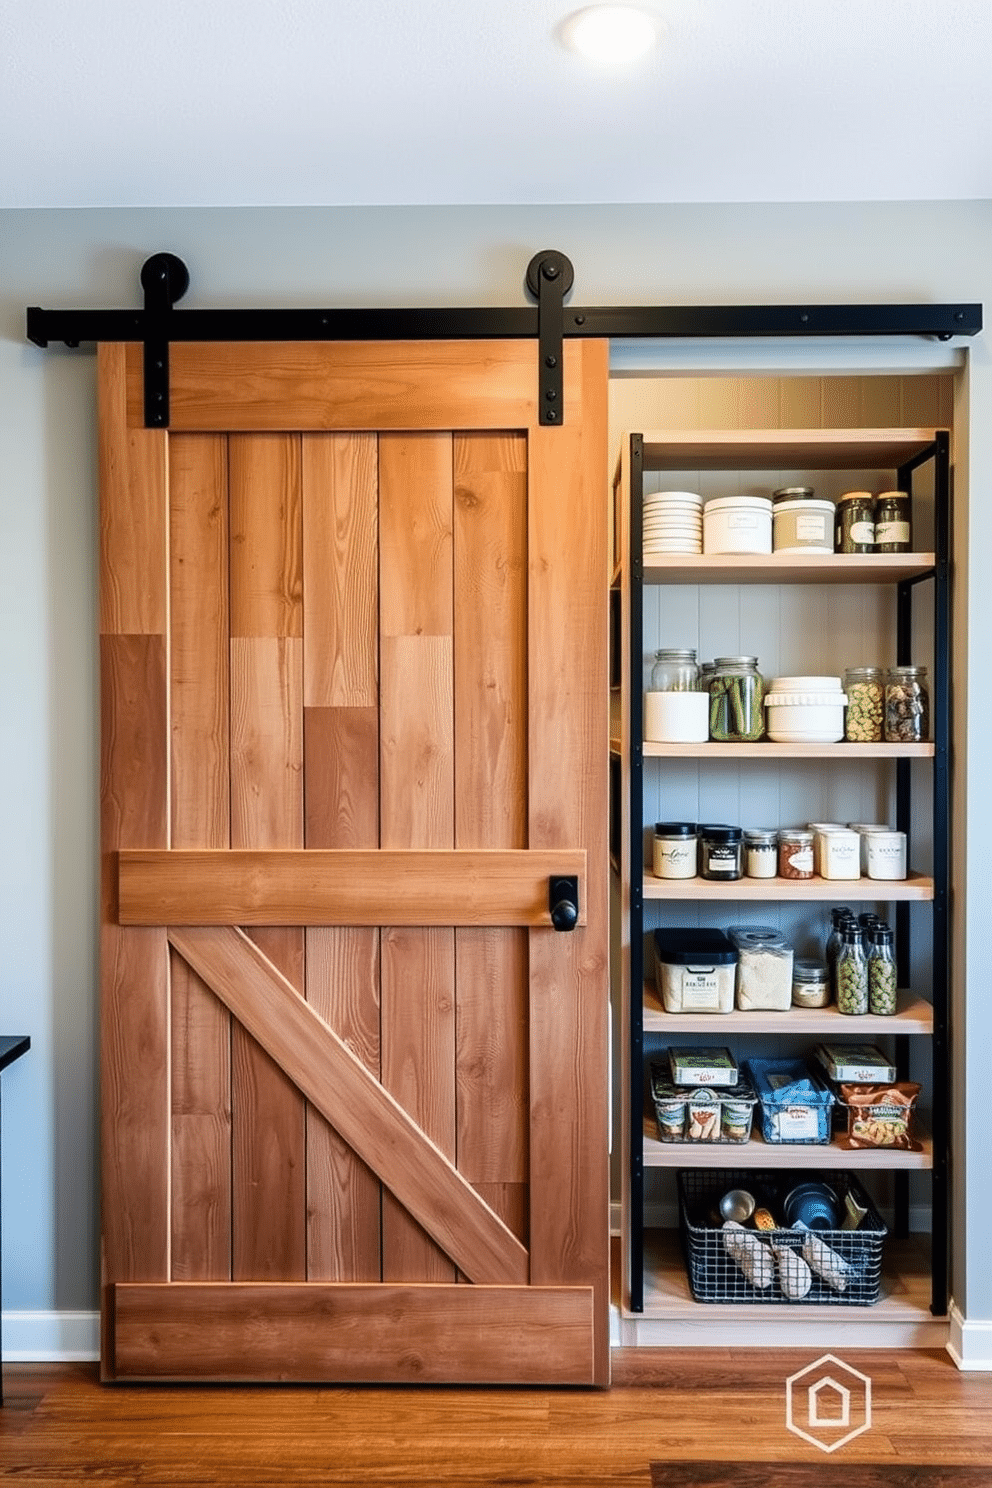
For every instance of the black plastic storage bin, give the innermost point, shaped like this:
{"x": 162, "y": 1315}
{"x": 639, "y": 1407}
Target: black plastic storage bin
{"x": 715, "y": 1277}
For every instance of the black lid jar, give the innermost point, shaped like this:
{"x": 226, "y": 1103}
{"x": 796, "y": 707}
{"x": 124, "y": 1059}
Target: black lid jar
{"x": 721, "y": 852}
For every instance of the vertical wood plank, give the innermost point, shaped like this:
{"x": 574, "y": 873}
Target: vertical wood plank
{"x": 417, "y": 804}
{"x": 134, "y": 793}
{"x": 200, "y": 741}
{"x": 269, "y": 1117}
{"x": 341, "y": 802}
{"x": 568, "y": 803}
{"x": 340, "y": 570}
{"x": 490, "y": 619}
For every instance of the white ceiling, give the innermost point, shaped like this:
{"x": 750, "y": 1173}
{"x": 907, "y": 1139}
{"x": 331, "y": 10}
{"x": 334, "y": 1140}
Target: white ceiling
{"x": 328, "y": 102}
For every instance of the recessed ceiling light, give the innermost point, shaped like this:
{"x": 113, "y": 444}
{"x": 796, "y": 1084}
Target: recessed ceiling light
{"x": 611, "y": 33}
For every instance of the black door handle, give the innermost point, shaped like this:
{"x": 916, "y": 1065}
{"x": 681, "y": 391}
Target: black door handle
{"x": 563, "y": 902}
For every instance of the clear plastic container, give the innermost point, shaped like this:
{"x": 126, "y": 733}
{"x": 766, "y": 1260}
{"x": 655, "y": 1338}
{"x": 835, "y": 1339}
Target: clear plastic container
{"x": 881, "y": 972}
{"x": 852, "y": 973}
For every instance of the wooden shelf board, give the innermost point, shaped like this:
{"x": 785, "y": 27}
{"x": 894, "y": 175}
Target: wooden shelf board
{"x": 904, "y": 1298}
{"x": 767, "y": 749}
{"x": 760, "y": 1154}
{"x": 788, "y": 568}
{"x": 860, "y": 890}
{"x": 913, "y": 1015}
{"x": 783, "y": 449}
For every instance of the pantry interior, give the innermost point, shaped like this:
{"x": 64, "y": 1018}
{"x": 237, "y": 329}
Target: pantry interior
{"x": 793, "y": 629}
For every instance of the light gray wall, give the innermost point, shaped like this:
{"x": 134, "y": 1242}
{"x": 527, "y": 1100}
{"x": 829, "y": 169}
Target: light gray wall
{"x": 48, "y": 724}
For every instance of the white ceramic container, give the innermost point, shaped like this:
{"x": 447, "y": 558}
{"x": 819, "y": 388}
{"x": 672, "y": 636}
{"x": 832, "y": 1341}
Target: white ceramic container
{"x": 677, "y": 717}
{"x": 805, "y": 710}
{"x": 737, "y": 524}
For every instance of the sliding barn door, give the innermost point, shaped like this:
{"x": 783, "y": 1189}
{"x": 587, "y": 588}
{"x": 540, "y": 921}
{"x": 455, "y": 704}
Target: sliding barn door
{"x": 354, "y": 717}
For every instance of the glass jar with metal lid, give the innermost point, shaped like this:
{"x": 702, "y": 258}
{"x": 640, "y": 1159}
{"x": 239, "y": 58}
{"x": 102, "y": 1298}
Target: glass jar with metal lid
{"x": 907, "y": 705}
{"x": 737, "y": 694}
{"x": 854, "y": 524}
{"x": 795, "y": 853}
{"x": 674, "y": 850}
{"x": 810, "y": 984}
{"x": 864, "y": 688}
{"x": 893, "y": 522}
{"x": 760, "y": 852}
{"x": 675, "y": 671}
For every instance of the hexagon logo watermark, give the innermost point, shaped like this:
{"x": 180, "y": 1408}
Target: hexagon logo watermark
{"x": 828, "y": 1403}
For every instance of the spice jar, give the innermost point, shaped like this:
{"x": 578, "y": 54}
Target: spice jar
{"x": 795, "y": 853}
{"x": 760, "y": 853}
{"x": 737, "y": 693}
{"x": 854, "y": 524}
{"x": 810, "y": 984}
{"x": 852, "y": 973}
{"x": 881, "y": 971}
{"x": 674, "y": 850}
{"x": 893, "y": 523}
{"x": 674, "y": 671}
{"x": 907, "y": 705}
{"x": 721, "y": 852}
{"x": 865, "y": 691}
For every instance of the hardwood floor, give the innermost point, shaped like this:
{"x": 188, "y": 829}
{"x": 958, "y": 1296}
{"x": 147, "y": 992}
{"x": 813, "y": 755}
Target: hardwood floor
{"x": 59, "y": 1426}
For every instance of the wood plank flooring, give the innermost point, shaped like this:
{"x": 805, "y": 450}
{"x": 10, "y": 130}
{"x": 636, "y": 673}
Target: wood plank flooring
{"x": 681, "y": 1410}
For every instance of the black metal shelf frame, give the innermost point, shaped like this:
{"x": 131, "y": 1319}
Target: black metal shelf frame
{"x": 939, "y": 453}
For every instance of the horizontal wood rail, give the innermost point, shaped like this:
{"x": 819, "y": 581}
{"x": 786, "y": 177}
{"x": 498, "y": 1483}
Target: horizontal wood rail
{"x": 343, "y": 887}
{"x": 352, "y": 1332}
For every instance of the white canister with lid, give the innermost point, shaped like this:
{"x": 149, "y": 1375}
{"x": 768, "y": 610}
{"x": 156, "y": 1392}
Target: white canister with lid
{"x": 803, "y": 525}
{"x": 805, "y": 710}
{"x": 863, "y": 829}
{"x": 737, "y": 524}
{"x": 886, "y": 854}
{"x": 838, "y": 853}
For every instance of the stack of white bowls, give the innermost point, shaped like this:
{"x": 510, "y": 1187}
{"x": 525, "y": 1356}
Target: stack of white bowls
{"x": 673, "y": 523}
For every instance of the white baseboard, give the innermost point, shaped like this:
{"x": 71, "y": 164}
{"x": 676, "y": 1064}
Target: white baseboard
{"x": 970, "y": 1344}
{"x": 51, "y": 1337}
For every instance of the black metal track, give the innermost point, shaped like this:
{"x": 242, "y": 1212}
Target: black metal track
{"x": 76, "y": 327}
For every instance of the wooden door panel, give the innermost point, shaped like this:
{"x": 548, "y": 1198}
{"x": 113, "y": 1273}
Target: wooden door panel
{"x": 405, "y": 1335}
{"x": 369, "y": 1118}
{"x": 355, "y": 718}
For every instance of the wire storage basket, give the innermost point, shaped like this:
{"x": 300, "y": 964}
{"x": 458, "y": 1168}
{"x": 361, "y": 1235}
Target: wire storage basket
{"x": 793, "y": 1266}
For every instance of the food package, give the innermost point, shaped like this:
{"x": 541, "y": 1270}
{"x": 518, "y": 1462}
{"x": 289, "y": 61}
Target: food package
{"x": 764, "y": 968}
{"x": 751, "y": 1254}
{"x": 794, "y": 1276}
{"x": 696, "y": 1066}
{"x": 826, "y": 1262}
{"x": 880, "y": 1116}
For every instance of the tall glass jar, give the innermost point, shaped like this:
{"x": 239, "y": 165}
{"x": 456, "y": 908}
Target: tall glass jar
{"x": 737, "y": 695}
{"x": 864, "y": 688}
{"x": 854, "y": 523}
{"x": 893, "y": 523}
{"x": 674, "y": 671}
{"x": 852, "y": 973}
{"x": 907, "y": 705}
{"x": 881, "y": 971}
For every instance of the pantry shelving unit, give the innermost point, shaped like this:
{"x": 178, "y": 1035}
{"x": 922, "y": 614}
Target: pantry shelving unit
{"x": 656, "y": 1303}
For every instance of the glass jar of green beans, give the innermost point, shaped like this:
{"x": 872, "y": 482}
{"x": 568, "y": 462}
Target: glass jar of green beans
{"x": 737, "y": 695}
